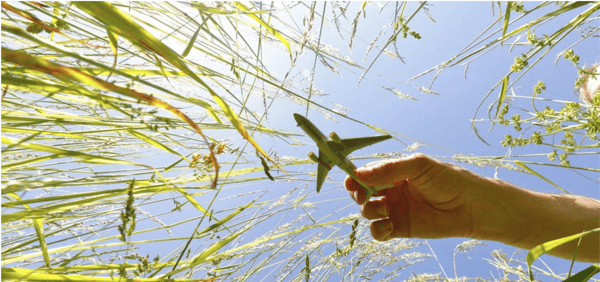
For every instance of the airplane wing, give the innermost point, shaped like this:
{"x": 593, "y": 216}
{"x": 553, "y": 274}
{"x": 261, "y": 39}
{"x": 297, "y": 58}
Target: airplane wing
{"x": 353, "y": 144}
{"x": 322, "y": 170}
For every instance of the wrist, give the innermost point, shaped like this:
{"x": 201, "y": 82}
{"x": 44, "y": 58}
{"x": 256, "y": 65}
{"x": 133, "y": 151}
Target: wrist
{"x": 500, "y": 212}
{"x": 525, "y": 219}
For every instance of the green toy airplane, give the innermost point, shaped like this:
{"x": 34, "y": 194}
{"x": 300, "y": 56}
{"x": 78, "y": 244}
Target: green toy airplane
{"x": 334, "y": 152}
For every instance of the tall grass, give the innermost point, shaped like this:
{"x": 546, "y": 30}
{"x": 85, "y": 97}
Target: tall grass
{"x": 131, "y": 151}
{"x": 108, "y": 171}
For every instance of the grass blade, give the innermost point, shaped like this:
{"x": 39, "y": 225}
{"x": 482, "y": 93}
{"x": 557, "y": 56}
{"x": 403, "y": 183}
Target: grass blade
{"x": 506, "y": 19}
{"x": 585, "y": 274}
{"x": 502, "y": 94}
{"x": 60, "y": 152}
{"x": 21, "y": 274}
{"x": 38, "y": 224}
{"x": 68, "y": 74}
{"x": 201, "y": 258}
{"x": 112, "y": 37}
{"x": 119, "y": 22}
{"x": 191, "y": 44}
{"x": 155, "y": 143}
{"x": 266, "y": 26}
{"x": 522, "y": 165}
{"x": 545, "y": 247}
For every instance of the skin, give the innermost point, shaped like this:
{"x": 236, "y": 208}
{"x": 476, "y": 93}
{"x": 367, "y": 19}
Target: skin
{"x": 433, "y": 199}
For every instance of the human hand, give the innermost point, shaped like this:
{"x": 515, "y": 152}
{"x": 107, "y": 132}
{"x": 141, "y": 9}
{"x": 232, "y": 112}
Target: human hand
{"x": 429, "y": 198}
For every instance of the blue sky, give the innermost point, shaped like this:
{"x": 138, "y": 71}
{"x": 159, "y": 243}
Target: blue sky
{"x": 442, "y": 121}
{"x": 441, "y": 124}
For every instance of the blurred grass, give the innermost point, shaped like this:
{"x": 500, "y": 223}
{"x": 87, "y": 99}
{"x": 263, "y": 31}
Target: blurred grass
{"x": 86, "y": 112}
{"x": 105, "y": 99}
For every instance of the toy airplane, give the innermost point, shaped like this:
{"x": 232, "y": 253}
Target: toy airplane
{"x": 335, "y": 150}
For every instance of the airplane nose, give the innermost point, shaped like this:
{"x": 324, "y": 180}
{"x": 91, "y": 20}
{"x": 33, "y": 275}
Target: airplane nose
{"x": 299, "y": 119}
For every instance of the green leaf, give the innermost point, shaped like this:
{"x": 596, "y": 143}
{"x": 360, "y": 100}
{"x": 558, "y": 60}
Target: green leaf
{"x": 161, "y": 67}
{"x": 265, "y": 25}
{"x": 522, "y": 165}
{"x": 21, "y": 274}
{"x": 38, "y": 224}
{"x": 67, "y": 153}
{"x": 119, "y": 22}
{"x": 194, "y": 202}
{"x": 112, "y": 37}
{"x": 265, "y": 167}
{"x": 202, "y": 258}
{"x": 506, "y": 19}
{"x": 585, "y": 274}
{"x": 192, "y": 41}
{"x": 545, "y": 247}
{"x": 502, "y": 95}
{"x": 225, "y": 219}
{"x": 155, "y": 143}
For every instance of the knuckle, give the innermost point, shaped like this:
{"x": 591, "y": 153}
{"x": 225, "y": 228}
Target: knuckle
{"x": 420, "y": 163}
{"x": 387, "y": 168}
{"x": 420, "y": 159}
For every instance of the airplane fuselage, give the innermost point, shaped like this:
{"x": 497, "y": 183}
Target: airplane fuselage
{"x": 335, "y": 157}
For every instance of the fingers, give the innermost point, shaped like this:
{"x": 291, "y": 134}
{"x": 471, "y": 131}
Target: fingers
{"x": 396, "y": 226}
{"x": 395, "y": 208}
{"x": 351, "y": 184}
{"x": 382, "y": 230}
{"x": 375, "y": 209}
{"x": 357, "y": 193}
{"x": 391, "y": 172}
{"x": 358, "y": 196}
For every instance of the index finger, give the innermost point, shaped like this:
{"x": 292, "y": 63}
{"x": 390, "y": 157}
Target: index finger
{"x": 351, "y": 184}
{"x": 394, "y": 172}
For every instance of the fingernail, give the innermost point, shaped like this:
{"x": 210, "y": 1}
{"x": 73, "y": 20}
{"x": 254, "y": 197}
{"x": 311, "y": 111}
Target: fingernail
{"x": 382, "y": 211}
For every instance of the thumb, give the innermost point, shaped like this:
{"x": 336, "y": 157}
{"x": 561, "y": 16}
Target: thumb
{"x": 394, "y": 172}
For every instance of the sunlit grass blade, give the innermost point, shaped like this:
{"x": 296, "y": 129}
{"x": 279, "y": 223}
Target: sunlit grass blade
{"x": 56, "y": 10}
{"x": 160, "y": 66}
{"x": 67, "y": 153}
{"x": 194, "y": 202}
{"x": 502, "y": 95}
{"x": 550, "y": 15}
{"x": 68, "y": 74}
{"x": 528, "y": 169}
{"x": 112, "y": 37}
{"x": 28, "y": 16}
{"x": 585, "y": 274}
{"x": 188, "y": 48}
{"x": 119, "y": 22}
{"x": 266, "y": 26}
{"x": 506, "y": 19}
{"x": 20, "y": 274}
{"x": 38, "y": 224}
{"x": 155, "y": 143}
{"x": 201, "y": 258}
{"x": 545, "y": 247}
{"x": 221, "y": 222}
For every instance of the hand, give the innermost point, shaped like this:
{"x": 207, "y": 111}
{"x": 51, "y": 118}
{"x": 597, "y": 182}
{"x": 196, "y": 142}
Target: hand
{"x": 433, "y": 199}
{"x": 429, "y": 199}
